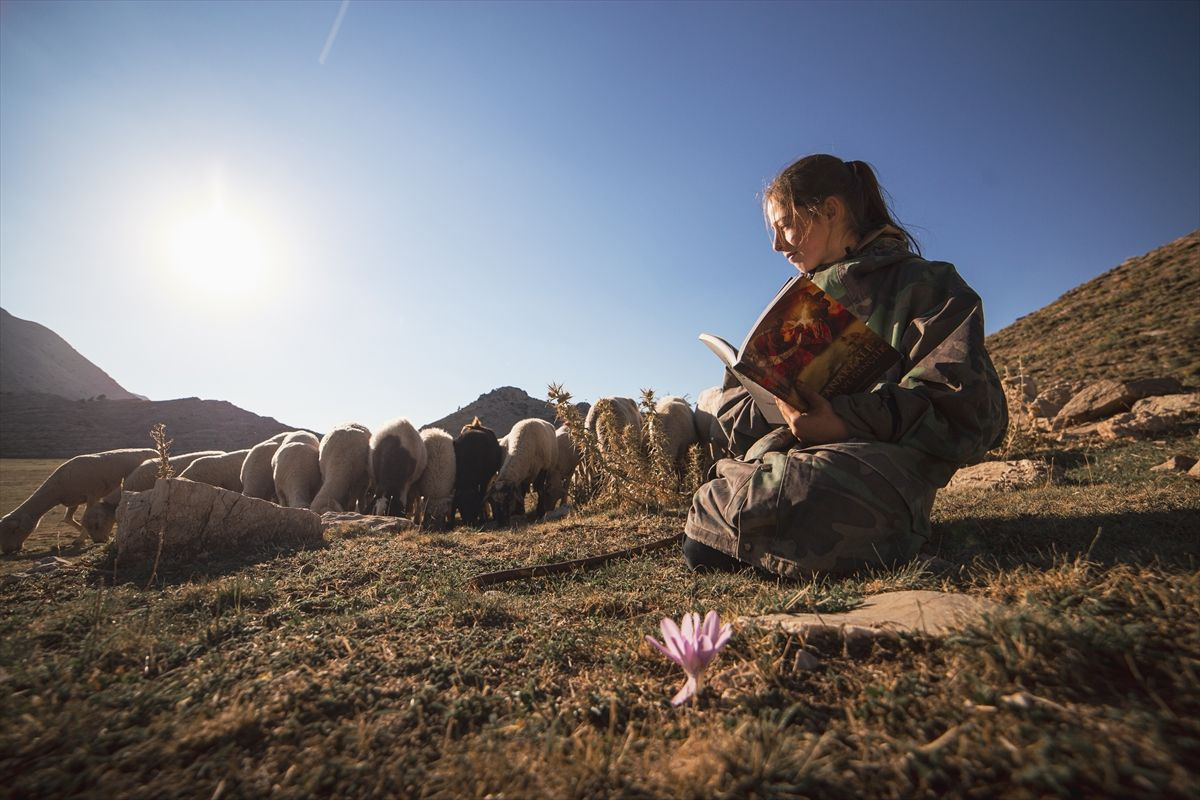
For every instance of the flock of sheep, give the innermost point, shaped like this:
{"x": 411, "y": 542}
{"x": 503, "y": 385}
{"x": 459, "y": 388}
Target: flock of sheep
{"x": 396, "y": 470}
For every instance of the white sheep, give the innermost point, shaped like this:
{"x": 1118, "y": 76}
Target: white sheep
{"x": 708, "y": 429}
{"x": 296, "y": 471}
{"x": 625, "y": 416}
{"x": 258, "y": 476}
{"x": 531, "y": 456}
{"x": 98, "y": 518}
{"x": 307, "y": 437}
{"x": 564, "y": 467}
{"x": 82, "y": 479}
{"x": 223, "y": 471}
{"x": 673, "y": 417}
{"x": 436, "y": 483}
{"x": 397, "y": 461}
{"x": 343, "y": 454}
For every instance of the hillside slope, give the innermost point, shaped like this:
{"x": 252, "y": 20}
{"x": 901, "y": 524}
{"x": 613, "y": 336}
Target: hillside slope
{"x": 34, "y": 358}
{"x": 1139, "y": 319}
{"x": 499, "y": 409}
{"x": 48, "y": 426}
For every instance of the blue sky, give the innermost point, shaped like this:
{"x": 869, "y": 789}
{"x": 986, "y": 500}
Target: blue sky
{"x": 471, "y": 195}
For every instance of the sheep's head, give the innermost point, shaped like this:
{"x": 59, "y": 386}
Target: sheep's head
{"x": 97, "y": 521}
{"x": 502, "y": 498}
{"x": 14, "y": 530}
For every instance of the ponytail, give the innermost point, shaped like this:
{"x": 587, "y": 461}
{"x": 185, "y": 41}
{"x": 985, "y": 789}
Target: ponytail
{"x": 809, "y": 181}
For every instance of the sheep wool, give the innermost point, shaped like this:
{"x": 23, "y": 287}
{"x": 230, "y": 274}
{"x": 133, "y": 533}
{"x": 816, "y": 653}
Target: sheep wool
{"x": 223, "y": 471}
{"x": 673, "y": 416}
{"x": 397, "y": 461}
{"x": 436, "y": 484}
{"x": 532, "y": 452}
{"x": 258, "y": 479}
{"x": 80, "y": 480}
{"x": 564, "y": 467}
{"x": 624, "y": 413}
{"x": 344, "y": 455}
{"x": 296, "y": 471}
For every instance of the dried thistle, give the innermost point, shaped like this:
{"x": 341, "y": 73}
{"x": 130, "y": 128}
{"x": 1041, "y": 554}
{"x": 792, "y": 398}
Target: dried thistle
{"x": 163, "y": 445}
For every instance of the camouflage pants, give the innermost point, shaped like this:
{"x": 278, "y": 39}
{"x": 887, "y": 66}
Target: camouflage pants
{"x": 813, "y": 510}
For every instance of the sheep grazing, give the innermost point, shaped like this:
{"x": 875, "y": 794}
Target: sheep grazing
{"x": 98, "y": 518}
{"x": 477, "y": 457}
{"x": 436, "y": 484}
{"x": 564, "y": 467}
{"x": 624, "y": 415}
{"x": 296, "y": 472}
{"x": 532, "y": 454}
{"x": 82, "y": 479}
{"x": 344, "y": 454}
{"x": 673, "y": 416}
{"x": 258, "y": 477}
{"x": 223, "y": 471}
{"x": 397, "y": 461}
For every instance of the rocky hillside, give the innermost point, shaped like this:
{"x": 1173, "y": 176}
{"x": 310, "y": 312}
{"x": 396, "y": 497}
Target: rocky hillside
{"x": 499, "y": 409}
{"x": 47, "y": 426}
{"x": 34, "y": 358}
{"x": 1139, "y": 319}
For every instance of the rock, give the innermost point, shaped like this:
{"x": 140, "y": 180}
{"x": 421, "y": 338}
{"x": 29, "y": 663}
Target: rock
{"x": 374, "y": 523}
{"x": 557, "y": 513}
{"x": 1152, "y": 415}
{"x": 1005, "y": 476}
{"x": 1051, "y": 399}
{"x": 1194, "y": 472}
{"x": 198, "y": 521}
{"x": 1102, "y": 399}
{"x": 1175, "y": 464}
{"x": 887, "y": 614}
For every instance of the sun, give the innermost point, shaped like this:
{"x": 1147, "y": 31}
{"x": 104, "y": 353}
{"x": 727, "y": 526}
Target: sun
{"x": 220, "y": 251}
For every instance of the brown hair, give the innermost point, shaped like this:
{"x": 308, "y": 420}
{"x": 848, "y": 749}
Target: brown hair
{"x": 808, "y": 182}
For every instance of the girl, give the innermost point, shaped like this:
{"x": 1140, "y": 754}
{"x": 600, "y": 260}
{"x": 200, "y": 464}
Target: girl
{"x": 850, "y": 481}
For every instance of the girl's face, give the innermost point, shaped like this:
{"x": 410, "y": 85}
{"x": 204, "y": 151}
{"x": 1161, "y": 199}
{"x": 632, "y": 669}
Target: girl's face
{"x": 805, "y": 239}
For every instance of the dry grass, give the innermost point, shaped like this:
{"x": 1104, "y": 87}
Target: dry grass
{"x": 367, "y": 668}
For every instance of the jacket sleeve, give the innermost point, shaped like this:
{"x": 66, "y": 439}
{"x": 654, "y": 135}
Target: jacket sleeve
{"x": 740, "y": 420}
{"x": 949, "y": 404}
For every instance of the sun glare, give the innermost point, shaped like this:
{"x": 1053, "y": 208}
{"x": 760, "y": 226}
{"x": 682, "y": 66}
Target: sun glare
{"x": 221, "y": 251}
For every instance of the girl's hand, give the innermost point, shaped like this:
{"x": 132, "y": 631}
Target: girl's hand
{"x": 819, "y": 424}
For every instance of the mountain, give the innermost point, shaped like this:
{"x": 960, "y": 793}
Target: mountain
{"x": 499, "y": 409}
{"x": 48, "y": 426}
{"x": 1139, "y": 319}
{"x": 34, "y": 358}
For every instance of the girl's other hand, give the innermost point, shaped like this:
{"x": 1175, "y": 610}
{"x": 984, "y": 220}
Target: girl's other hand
{"x": 818, "y": 424}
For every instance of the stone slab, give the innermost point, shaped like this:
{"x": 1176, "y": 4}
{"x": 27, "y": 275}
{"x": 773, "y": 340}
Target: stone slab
{"x": 197, "y": 521}
{"x": 916, "y": 611}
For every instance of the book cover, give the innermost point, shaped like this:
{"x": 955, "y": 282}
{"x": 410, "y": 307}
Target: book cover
{"x": 804, "y": 336}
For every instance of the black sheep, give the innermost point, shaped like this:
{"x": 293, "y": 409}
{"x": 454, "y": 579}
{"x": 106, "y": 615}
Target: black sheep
{"x": 478, "y": 455}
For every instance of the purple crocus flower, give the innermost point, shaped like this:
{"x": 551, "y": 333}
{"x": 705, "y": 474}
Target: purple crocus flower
{"x": 692, "y": 645}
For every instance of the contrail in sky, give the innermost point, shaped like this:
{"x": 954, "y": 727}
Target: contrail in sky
{"x": 337, "y": 23}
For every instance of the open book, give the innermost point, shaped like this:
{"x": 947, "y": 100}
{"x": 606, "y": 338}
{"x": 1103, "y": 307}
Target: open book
{"x": 804, "y": 336}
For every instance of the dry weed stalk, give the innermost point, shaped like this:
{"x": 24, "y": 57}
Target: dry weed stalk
{"x": 1024, "y": 433}
{"x": 163, "y": 445}
{"x": 634, "y": 471}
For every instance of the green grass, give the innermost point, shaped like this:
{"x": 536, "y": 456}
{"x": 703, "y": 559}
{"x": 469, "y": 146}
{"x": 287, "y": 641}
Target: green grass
{"x": 368, "y": 668}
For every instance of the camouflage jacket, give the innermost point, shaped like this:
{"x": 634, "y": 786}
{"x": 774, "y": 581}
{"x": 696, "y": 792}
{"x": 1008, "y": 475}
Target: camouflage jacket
{"x": 942, "y": 404}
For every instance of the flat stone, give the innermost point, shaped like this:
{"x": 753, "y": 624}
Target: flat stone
{"x": 1152, "y": 415}
{"x": 374, "y": 523}
{"x": 1195, "y": 470}
{"x": 195, "y": 521}
{"x": 1175, "y": 464}
{"x": 1005, "y": 476}
{"x": 886, "y": 615}
{"x": 1102, "y": 399}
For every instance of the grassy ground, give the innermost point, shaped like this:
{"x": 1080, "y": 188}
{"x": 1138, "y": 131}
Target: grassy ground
{"x": 368, "y": 668}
